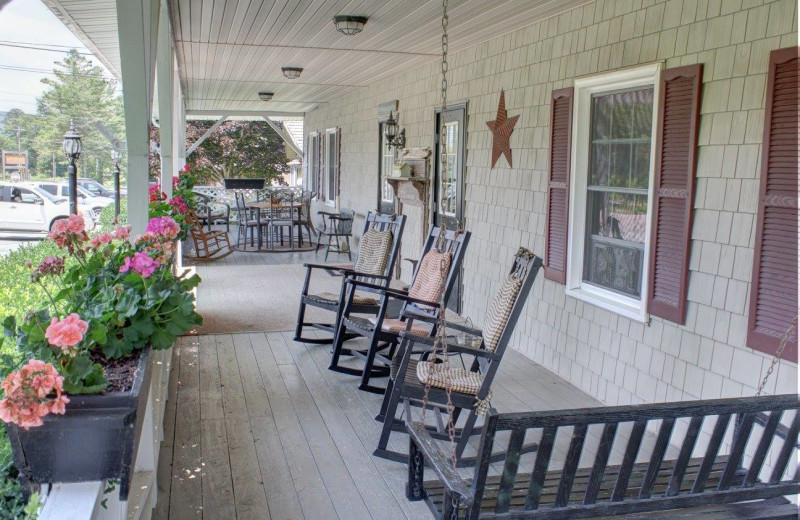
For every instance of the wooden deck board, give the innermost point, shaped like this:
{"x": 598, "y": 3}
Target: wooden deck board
{"x": 275, "y": 434}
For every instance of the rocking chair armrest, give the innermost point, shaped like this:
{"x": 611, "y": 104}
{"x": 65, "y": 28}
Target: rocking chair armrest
{"x": 440, "y": 462}
{"x": 351, "y": 272}
{"x": 329, "y": 267}
{"x": 452, "y": 348}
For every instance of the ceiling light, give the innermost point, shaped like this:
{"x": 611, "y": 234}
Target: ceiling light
{"x": 349, "y": 25}
{"x": 292, "y": 72}
{"x": 265, "y": 96}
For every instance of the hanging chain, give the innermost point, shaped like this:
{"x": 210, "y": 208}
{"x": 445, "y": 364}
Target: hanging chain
{"x": 443, "y": 115}
{"x": 777, "y": 356}
{"x": 440, "y": 340}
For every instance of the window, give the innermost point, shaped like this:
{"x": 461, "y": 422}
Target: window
{"x": 330, "y": 174}
{"x": 449, "y": 188}
{"x": 50, "y": 188}
{"x": 611, "y": 196}
{"x": 29, "y": 197}
{"x": 386, "y": 161}
{"x": 313, "y": 163}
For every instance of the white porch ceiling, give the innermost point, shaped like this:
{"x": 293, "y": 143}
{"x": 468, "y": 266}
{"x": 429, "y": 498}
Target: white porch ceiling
{"x": 228, "y": 50}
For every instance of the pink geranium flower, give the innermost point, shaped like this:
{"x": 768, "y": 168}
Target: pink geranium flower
{"x": 122, "y": 232}
{"x": 66, "y": 333}
{"x": 165, "y": 227}
{"x": 31, "y": 393}
{"x": 69, "y": 231}
{"x": 140, "y": 263}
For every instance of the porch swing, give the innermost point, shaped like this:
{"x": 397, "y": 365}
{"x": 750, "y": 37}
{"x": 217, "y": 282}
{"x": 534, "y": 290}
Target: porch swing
{"x": 714, "y": 484}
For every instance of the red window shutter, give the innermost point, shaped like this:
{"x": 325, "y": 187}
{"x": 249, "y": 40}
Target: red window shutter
{"x": 773, "y": 292}
{"x": 676, "y": 160}
{"x": 555, "y": 253}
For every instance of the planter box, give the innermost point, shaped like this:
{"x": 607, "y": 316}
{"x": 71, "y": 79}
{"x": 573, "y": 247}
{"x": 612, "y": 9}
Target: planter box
{"x": 95, "y": 439}
{"x": 244, "y": 184}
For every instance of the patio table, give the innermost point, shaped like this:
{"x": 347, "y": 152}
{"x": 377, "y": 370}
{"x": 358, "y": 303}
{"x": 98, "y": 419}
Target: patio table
{"x": 294, "y": 206}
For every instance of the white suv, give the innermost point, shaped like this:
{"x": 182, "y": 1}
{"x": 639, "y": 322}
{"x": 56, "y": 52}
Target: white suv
{"x": 85, "y": 198}
{"x": 31, "y": 209}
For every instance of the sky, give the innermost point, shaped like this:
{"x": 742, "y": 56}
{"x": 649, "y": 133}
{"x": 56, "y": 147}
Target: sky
{"x": 29, "y": 22}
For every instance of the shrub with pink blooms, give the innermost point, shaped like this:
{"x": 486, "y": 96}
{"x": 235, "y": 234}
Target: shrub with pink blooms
{"x": 108, "y": 297}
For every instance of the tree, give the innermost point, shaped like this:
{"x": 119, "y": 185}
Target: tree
{"x": 15, "y": 120}
{"x": 82, "y": 93}
{"x": 238, "y": 149}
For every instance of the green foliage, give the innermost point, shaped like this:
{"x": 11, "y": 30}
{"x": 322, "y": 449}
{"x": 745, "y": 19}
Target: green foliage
{"x": 17, "y": 293}
{"x": 107, "y": 221}
{"x": 125, "y": 309}
{"x": 242, "y": 149}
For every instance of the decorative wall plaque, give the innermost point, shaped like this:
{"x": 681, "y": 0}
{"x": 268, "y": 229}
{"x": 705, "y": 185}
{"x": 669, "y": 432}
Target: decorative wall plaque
{"x": 501, "y": 129}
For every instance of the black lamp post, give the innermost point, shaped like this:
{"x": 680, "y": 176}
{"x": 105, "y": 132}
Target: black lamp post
{"x": 116, "y": 156}
{"x": 72, "y": 149}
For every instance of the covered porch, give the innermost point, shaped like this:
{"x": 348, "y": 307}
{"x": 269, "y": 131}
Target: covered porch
{"x": 257, "y": 426}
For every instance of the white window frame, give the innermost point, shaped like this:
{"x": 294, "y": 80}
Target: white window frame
{"x": 312, "y": 153}
{"x": 646, "y": 75}
{"x": 386, "y": 188}
{"x": 328, "y": 198}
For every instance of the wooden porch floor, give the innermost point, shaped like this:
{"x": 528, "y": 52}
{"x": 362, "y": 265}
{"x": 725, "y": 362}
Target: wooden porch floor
{"x": 257, "y": 427}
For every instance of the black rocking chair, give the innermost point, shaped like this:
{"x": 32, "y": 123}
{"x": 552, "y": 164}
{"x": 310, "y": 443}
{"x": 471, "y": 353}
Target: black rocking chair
{"x": 473, "y": 385}
{"x": 382, "y": 331}
{"x": 361, "y": 304}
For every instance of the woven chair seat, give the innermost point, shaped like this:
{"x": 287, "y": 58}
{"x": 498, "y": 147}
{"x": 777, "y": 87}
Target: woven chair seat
{"x": 329, "y": 297}
{"x": 462, "y": 381}
{"x": 396, "y": 326}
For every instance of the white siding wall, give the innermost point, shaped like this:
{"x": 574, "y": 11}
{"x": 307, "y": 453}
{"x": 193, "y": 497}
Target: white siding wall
{"x": 618, "y": 360}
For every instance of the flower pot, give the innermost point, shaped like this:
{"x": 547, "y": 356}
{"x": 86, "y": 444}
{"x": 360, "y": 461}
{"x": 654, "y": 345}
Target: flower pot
{"x": 95, "y": 439}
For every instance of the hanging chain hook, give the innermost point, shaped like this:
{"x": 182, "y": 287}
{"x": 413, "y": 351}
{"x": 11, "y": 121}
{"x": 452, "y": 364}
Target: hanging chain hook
{"x": 778, "y": 354}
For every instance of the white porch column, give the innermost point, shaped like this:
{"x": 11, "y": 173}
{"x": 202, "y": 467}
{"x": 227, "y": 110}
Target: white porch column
{"x": 137, "y": 26}
{"x": 178, "y": 123}
{"x": 165, "y": 76}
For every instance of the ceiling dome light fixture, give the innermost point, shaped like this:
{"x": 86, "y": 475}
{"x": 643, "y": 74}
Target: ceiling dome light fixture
{"x": 292, "y": 72}
{"x": 349, "y": 25}
{"x": 265, "y": 96}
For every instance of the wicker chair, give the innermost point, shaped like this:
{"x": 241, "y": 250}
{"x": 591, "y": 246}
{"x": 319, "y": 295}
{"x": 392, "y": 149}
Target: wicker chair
{"x": 470, "y": 386}
{"x": 380, "y": 265}
{"x": 383, "y": 331}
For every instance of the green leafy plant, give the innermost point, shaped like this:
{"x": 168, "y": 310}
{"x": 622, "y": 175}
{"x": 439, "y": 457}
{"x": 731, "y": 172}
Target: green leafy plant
{"x": 112, "y": 298}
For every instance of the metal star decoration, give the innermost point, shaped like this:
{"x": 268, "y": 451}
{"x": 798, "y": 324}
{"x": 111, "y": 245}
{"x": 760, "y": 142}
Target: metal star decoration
{"x": 501, "y": 131}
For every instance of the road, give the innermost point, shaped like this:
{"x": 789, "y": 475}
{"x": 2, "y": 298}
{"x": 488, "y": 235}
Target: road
{"x": 10, "y": 242}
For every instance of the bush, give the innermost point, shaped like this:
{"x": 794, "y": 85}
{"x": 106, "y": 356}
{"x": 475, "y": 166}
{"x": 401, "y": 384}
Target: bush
{"x": 107, "y": 216}
{"x": 17, "y": 293}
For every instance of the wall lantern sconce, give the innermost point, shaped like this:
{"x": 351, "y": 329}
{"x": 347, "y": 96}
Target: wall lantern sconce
{"x": 393, "y": 136}
{"x": 349, "y": 25}
{"x": 292, "y": 72}
{"x": 266, "y": 96}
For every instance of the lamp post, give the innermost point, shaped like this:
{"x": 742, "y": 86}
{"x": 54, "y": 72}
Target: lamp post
{"x": 72, "y": 149}
{"x": 116, "y": 156}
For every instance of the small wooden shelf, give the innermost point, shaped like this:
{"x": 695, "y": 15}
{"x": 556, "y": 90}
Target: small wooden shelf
{"x": 410, "y": 190}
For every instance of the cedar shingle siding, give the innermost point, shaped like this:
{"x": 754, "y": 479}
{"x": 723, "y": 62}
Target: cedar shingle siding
{"x": 619, "y": 360}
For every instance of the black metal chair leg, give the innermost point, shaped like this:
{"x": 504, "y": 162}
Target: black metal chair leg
{"x": 328, "y": 250}
{"x": 349, "y": 257}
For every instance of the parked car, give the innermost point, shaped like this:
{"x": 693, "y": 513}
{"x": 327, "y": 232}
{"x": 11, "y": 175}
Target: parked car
{"x": 61, "y": 189}
{"x": 32, "y": 209}
{"x": 98, "y": 190}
